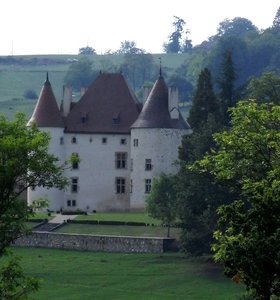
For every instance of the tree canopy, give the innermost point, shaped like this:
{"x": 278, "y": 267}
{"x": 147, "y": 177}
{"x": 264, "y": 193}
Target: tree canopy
{"x": 247, "y": 159}
{"x": 24, "y": 162}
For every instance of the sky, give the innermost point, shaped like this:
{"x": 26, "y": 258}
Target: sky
{"x": 64, "y": 26}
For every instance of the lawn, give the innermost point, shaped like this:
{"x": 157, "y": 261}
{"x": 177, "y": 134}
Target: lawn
{"x": 72, "y": 275}
{"x": 115, "y": 216}
{"x": 146, "y": 231}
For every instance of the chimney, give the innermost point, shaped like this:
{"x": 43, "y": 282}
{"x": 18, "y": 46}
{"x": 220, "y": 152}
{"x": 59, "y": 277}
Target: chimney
{"x": 67, "y": 100}
{"x": 173, "y": 99}
{"x": 146, "y": 92}
{"x": 83, "y": 91}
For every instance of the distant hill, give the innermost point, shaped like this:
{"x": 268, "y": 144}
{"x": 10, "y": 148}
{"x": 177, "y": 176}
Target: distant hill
{"x": 19, "y": 74}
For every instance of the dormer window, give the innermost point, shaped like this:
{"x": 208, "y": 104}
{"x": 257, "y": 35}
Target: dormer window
{"x": 116, "y": 119}
{"x": 84, "y": 118}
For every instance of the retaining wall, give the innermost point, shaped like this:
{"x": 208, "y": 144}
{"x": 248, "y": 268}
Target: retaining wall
{"x": 96, "y": 243}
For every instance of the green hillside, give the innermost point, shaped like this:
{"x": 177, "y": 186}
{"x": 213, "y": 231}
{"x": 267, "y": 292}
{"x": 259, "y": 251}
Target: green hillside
{"x": 21, "y": 73}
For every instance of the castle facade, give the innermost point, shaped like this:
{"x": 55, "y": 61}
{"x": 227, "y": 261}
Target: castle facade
{"x": 121, "y": 144}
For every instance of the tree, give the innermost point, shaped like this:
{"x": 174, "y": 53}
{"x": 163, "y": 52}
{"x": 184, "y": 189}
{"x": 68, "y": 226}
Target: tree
{"x": 240, "y": 27}
{"x": 80, "y": 73}
{"x": 138, "y": 68}
{"x": 87, "y": 51}
{"x": 204, "y": 101}
{"x": 129, "y": 47}
{"x": 174, "y": 44}
{"x": 161, "y": 200}
{"x": 248, "y": 160}
{"x": 24, "y": 162}
{"x": 276, "y": 21}
{"x": 226, "y": 85}
{"x": 265, "y": 89}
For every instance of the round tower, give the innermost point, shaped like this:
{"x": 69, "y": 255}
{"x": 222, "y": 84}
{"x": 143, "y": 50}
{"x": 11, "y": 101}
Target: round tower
{"x": 155, "y": 138}
{"x": 47, "y": 117}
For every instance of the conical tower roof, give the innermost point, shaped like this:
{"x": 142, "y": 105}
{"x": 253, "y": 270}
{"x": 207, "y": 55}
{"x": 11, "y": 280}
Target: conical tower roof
{"x": 46, "y": 112}
{"x": 155, "y": 112}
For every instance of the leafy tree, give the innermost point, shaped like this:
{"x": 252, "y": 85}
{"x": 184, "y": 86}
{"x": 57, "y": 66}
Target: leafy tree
{"x": 204, "y": 101}
{"x": 187, "y": 43}
{"x": 160, "y": 203}
{"x": 138, "y": 68}
{"x": 87, "y": 51}
{"x": 174, "y": 44}
{"x": 24, "y": 162}
{"x": 240, "y": 27}
{"x": 129, "y": 47}
{"x": 80, "y": 73}
{"x": 248, "y": 235}
{"x": 265, "y": 89}
{"x": 14, "y": 284}
{"x": 226, "y": 85}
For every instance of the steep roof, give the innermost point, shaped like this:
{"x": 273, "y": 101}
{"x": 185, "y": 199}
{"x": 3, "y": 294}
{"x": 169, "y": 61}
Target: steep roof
{"x": 46, "y": 112}
{"x": 108, "y": 106}
{"x": 155, "y": 112}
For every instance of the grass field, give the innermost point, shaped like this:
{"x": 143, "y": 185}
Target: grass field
{"x": 16, "y": 79}
{"x": 148, "y": 231}
{"x": 71, "y": 275}
{"x": 115, "y": 216}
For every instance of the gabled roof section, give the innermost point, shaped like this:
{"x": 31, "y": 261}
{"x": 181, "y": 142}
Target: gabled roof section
{"x": 155, "y": 113}
{"x": 46, "y": 112}
{"x": 108, "y": 106}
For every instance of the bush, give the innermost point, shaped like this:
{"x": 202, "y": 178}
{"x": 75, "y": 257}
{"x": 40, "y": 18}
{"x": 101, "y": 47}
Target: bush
{"x": 30, "y": 94}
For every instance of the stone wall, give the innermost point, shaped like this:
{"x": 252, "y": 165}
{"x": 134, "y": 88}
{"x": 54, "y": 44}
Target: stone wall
{"x": 86, "y": 242}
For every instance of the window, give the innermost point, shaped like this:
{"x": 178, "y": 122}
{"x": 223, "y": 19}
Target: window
{"x": 104, "y": 140}
{"x": 120, "y": 185}
{"x": 71, "y": 203}
{"x": 123, "y": 141}
{"x": 131, "y": 185}
{"x": 74, "y": 140}
{"x": 74, "y": 185}
{"x": 148, "y": 164}
{"x": 121, "y": 160}
{"x": 116, "y": 119}
{"x": 135, "y": 142}
{"x": 131, "y": 164}
{"x": 61, "y": 140}
{"x": 75, "y": 162}
{"x": 148, "y": 185}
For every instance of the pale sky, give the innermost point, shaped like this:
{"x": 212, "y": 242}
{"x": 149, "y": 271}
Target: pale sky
{"x": 64, "y": 26}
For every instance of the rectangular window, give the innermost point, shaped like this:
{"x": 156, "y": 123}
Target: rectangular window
{"x": 123, "y": 141}
{"x": 131, "y": 164}
{"x": 71, "y": 203}
{"x": 148, "y": 164}
{"x": 135, "y": 142}
{"x": 131, "y": 185}
{"x": 148, "y": 185}
{"x": 75, "y": 161}
{"x": 61, "y": 140}
{"x": 120, "y": 185}
{"x": 121, "y": 158}
{"x": 104, "y": 140}
{"x": 74, "y": 140}
{"x": 74, "y": 185}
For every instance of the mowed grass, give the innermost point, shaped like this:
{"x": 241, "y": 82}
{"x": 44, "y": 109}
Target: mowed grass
{"x": 144, "y": 231}
{"x": 72, "y": 275}
{"x": 116, "y": 216}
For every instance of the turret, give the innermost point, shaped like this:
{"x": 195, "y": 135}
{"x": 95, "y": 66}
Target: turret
{"x": 47, "y": 117}
{"x": 155, "y": 138}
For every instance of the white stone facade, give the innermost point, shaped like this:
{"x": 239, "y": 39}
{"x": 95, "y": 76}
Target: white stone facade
{"x": 115, "y": 169}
